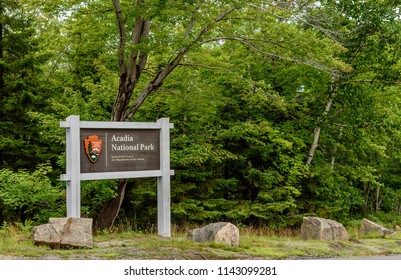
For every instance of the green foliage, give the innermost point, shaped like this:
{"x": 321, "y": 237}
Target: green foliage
{"x": 245, "y": 101}
{"x": 94, "y": 194}
{"x": 21, "y": 90}
{"x": 25, "y": 227}
{"x": 388, "y": 220}
{"x": 241, "y": 135}
{"x": 29, "y": 196}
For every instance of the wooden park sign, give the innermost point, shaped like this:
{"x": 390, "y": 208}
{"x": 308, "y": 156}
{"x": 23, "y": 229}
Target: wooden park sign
{"x": 118, "y": 150}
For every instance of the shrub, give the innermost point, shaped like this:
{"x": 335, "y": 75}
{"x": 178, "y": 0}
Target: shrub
{"x": 29, "y": 196}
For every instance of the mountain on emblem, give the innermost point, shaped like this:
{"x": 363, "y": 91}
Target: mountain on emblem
{"x": 93, "y": 147}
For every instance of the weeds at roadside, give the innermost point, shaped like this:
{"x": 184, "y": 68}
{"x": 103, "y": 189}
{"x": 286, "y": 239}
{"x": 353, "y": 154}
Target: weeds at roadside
{"x": 254, "y": 244}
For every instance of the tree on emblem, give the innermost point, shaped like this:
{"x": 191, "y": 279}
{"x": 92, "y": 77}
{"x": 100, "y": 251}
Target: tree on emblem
{"x": 93, "y": 147}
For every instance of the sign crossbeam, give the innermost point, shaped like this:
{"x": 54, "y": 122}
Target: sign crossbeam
{"x": 116, "y": 175}
{"x": 118, "y": 150}
{"x": 115, "y": 125}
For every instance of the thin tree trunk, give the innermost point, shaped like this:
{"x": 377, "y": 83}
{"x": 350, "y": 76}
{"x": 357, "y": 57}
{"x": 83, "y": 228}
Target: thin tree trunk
{"x": 377, "y": 201}
{"x": 1, "y": 58}
{"x": 367, "y": 192}
{"x": 314, "y": 145}
{"x": 110, "y": 209}
{"x": 333, "y": 158}
{"x": 316, "y": 136}
{"x": 320, "y": 120}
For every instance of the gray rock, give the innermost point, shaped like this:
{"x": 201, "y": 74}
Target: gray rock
{"x": 322, "y": 229}
{"x": 64, "y": 233}
{"x": 369, "y": 227}
{"x": 222, "y": 232}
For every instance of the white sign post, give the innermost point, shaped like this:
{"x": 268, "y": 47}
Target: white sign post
{"x": 125, "y": 150}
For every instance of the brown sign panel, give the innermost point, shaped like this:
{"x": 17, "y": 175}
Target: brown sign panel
{"x": 114, "y": 150}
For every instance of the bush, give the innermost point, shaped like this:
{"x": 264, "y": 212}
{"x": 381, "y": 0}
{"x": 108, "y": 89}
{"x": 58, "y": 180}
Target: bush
{"x": 29, "y": 196}
{"x": 386, "y": 219}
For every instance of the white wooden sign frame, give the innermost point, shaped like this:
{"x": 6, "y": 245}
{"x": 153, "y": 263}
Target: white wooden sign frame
{"x": 73, "y": 175}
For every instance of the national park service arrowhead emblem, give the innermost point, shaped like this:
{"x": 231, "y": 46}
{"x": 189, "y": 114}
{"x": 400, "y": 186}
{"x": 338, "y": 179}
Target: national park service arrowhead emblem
{"x": 93, "y": 147}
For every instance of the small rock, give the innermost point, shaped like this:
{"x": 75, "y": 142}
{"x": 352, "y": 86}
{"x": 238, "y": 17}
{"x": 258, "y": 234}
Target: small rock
{"x": 356, "y": 241}
{"x": 369, "y": 227}
{"x": 322, "y": 229}
{"x": 337, "y": 245}
{"x": 222, "y": 232}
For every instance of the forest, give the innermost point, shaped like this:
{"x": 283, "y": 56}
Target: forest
{"x": 281, "y": 109}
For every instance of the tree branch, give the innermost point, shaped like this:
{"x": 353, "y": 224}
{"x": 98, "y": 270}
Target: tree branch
{"x": 205, "y": 66}
{"x": 247, "y": 43}
{"x": 121, "y": 97}
{"x": 329, "y": 33}
{"x": 365, "y": 81}
{"x": 164, "y": 72}
{"x": 123, "y": 35}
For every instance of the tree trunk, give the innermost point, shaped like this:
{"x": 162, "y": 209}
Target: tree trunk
{"x": 1, "y": 58}
{"x": 377, "y": 199}
{"x": 129, "y": 75}
{"x": 314, "y": 145}
{"x": 367, "y": 193}
{"x": 333, "y": 158}
{"x": 319, "y": 121}
{"x": 315, "y": 142}
{"x": 110, "y": 209}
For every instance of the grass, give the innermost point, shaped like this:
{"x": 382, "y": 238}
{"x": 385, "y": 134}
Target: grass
{"x": 15, "y": 243}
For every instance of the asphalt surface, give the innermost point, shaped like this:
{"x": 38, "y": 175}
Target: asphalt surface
{"x": 391, "y": 257}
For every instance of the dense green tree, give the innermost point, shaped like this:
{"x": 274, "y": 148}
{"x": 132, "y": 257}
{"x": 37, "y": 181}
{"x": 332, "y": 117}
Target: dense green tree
{"x": 24, "y": 194}
{"x": 21, "y": 90}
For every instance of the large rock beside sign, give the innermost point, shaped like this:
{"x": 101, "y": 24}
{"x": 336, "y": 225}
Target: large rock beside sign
{"x": 322, "y": 229}
{"x": 64, "y": 233}
{"x": 222, "y": 232}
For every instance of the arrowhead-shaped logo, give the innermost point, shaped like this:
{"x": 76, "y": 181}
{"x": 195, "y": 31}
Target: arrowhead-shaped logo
{"x": 93, "y": 147}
